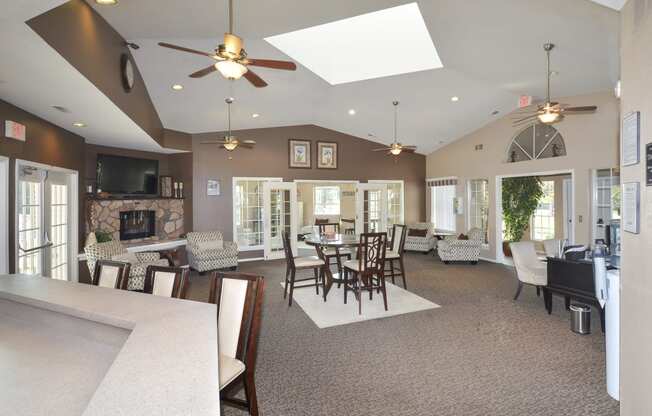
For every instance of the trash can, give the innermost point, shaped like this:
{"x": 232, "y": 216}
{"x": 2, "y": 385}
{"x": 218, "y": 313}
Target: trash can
{"x": 580, "y": 318}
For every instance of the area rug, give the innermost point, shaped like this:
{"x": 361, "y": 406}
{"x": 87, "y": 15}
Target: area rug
{"x": 334, "y": 312}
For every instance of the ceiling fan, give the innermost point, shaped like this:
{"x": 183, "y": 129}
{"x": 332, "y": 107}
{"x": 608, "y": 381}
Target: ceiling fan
{"x": 230, "y": 143}
{"x": 550, "y": 112}
{"x": 396, "y": 148}
{"x": 232, "y": 61}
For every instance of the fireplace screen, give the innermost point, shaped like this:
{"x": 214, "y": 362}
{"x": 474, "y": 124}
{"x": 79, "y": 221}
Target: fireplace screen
{"x": 137, "y": 224}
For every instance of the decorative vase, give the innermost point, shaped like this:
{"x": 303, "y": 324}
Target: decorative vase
{"x": 507, "y": 251}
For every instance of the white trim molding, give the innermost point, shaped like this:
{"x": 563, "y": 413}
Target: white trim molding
{"x": 4, "y": 214}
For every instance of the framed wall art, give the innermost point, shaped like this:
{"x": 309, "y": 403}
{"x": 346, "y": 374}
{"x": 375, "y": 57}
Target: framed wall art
{"x": 326, "y": 155}
{"x": 299, "y": 154}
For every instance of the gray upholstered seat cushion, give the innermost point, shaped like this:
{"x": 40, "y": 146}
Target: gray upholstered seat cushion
{"x": 229, "y": 369}
{"x": 308, "y": 262}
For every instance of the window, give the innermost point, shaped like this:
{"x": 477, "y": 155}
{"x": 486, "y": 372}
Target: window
{"x": 543, "y": 219}
{"x": 30, "y": 226}
{"x": 248, "y": 212}
{"x": 479, "y": 205}
{"x": 443, "y": 214}
{"x": 537, "y": 141}
{"x": 394, "y": 202}
{"x": 327, "y": 200}
{"x": 59, "y": 231}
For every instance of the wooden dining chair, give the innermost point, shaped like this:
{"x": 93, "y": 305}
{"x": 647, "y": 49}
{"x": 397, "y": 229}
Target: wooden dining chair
{"x": 294, "y": 264}
{"x": 239, "y": 299}
{"x": 368, "y": 269}
{"x": 329, "y": 228}
{"x": 334, "y": 253}
{"x": 171, "y": 282}
{"x": 394, "y": 253}
{"x": 109, "y": 273}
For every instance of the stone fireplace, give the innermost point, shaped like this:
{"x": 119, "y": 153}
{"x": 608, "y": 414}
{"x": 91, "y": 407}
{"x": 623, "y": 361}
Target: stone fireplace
{"x": 136, "y": 219}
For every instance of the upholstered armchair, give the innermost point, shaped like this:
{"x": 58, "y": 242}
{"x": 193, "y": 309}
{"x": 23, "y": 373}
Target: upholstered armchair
{"x": 420, "y": 237}
{"x": 114, "y": 250}
{"x": 208, "y": 251}
{"x": 453, "y": 249}
{"x": 529, "y": 269}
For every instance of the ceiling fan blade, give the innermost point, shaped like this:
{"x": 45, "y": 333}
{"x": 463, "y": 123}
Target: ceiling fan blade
{"x": 203, "y": 72}
{"x": 587, "y": 108}
{"x": 408, "y": 150}
{"x": 270, "y": 63}
{"x": 249, "y": 141}
{"x": 382, "y": 149}
{"x": 255, "y": 80}
{"x": 184, "y": 49}
{"x": 246, "y": 145}
{"x": 214, "y": 142}
{"x": 521, "y": 120}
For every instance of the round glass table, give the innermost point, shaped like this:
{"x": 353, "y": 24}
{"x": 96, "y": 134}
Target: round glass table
{"x": 336, "y": 241}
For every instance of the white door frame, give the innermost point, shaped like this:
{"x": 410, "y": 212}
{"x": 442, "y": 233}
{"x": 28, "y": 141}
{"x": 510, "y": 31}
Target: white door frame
{"x": 500, "y": 257}
{"x": 234, "y": 182}
{"x": 267, "y": 226}
{"x": 359, "y": 204}
{"x": 569, "y": 221}
{"x": 4, "y": 215}
{"x": 73, "y": 195}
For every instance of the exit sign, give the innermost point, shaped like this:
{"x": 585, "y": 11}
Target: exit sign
{"x": 14, "y": 130}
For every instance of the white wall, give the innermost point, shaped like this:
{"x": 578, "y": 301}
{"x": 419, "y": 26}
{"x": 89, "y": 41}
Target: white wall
{"x": 591, "y": 142}
{"x": 4, "y": 215}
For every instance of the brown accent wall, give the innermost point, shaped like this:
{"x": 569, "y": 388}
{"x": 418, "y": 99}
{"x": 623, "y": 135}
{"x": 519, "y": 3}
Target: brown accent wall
{"x": 636, "y": 271}
{"x": 270, "y": 159}
{"x": 47, "y": 144}
{"x": 91, "y": 45}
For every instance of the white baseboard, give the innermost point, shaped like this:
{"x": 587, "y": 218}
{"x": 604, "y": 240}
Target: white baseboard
{"x": 489, "y": 260}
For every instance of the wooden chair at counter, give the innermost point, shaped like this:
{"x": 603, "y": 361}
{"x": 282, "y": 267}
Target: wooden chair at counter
{"x": 171, "y": 282}
{"x": 299, "y": 263}
{"x": 239, "y": 299}
{"x": 113, "y": 274}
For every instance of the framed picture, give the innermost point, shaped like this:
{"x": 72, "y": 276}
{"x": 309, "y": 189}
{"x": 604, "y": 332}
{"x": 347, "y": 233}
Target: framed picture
{"x": 213, "y": 187}
{"x": 166, "y": 186}
{"x": 299, "y": 154}
{"x": 326, "y": 155}
{"x": 631, "y": 202}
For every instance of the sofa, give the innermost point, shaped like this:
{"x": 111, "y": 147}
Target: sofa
{"x": 422, "y": 243}
{"x": 454, "y": 249}
{"x": 114, "y": 250}
{"x": 208, "y": 251}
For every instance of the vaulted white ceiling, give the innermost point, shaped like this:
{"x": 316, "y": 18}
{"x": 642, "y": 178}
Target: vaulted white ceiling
{"x": 491, "y": 52}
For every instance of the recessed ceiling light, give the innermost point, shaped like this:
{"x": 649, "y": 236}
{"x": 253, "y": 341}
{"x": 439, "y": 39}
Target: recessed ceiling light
{"x": 106, "y": 2}
{"x": 177, "y": 87}
{"x": 79, "y": 124}
{"x": 455, "y": 99}
{"x": 352, "y": 112}
{"x": 255, "y": 115}
{"x": 374, "y": 37}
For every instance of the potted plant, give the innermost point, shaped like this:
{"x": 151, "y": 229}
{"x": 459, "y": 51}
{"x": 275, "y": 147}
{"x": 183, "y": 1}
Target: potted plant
{"x": 520, "y": 200}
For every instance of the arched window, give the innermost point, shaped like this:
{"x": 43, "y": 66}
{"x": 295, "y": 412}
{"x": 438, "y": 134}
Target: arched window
{"x": 538, "y": 141}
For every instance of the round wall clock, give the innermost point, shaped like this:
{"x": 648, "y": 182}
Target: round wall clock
{"x": 126, "y": 72}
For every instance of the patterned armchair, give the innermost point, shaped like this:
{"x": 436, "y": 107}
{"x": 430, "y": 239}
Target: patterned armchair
{"x": 114, "y": 250}
{"x": 452, "y": 249}
{"x": 417, "y": 243}
{"x": 208, "y": 251}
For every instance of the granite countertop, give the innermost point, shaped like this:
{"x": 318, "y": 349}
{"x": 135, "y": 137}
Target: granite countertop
{"x": 167, "y": 365}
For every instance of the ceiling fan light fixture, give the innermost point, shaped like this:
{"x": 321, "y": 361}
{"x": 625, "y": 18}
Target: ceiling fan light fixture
{"x": 230, "y": 145}
{"x": 395, "y": 150}
{"x": 231, "y": 69}
{"x": 548, "y": 117}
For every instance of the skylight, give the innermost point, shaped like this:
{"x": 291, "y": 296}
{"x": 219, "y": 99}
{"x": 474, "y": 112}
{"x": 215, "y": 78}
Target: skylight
{"x": 379, "y": 44}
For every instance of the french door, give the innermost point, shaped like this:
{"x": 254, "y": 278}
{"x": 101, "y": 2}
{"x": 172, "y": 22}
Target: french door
{"x": 44, "y": 230}
{"x": 371, "y": 208}
{"x": 279, "y": 215}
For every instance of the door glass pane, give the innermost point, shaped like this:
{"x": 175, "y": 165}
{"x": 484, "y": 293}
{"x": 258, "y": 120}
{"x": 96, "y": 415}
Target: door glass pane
{"x": 280, "y": 218}
{"x": 372, "y": 211}
{"x": 59, "y": 232}
{"x": 29, "y": 227}
{"x": 248, "y": 207}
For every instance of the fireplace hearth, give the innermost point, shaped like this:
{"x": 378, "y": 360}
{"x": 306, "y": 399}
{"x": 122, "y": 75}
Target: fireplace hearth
{"x": 137, "y": 224}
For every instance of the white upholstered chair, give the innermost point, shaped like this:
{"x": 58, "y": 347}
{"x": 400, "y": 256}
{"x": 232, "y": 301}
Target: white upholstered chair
{"x": 170, "y": 282}
{"x": 239, "y": 298}
{"x": 294, "y": 264}
{"x": 553, "y": 247}
{"x": 111, "y": 274}
{"x": 453, "y": 249}
{"x": 208, "y": 251}
{"x": 423, "y": 243}
{"x": 529, "y": 269}
{"x": 394, "y": 253}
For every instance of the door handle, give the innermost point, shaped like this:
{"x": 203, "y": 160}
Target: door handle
{"x": 47, "y": 244}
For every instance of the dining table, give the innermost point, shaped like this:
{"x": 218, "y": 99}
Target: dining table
{"x": 337, "y": 242}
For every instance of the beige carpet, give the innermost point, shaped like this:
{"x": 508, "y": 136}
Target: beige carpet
{"x": 480, "y": 354}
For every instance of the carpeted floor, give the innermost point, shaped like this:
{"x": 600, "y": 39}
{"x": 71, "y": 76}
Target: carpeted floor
{"x": 480, "y": 354}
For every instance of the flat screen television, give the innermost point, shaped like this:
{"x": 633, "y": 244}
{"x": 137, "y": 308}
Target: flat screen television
{"x": 127, "y": 175}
